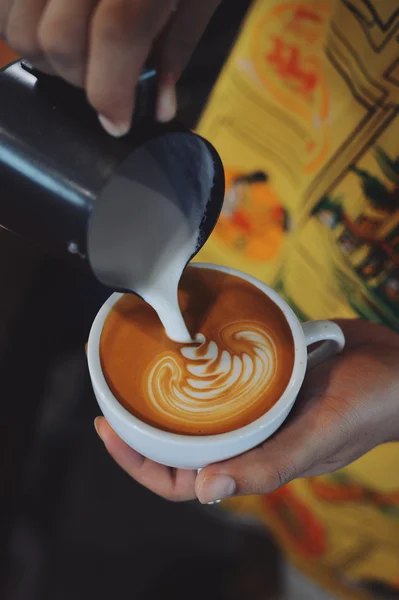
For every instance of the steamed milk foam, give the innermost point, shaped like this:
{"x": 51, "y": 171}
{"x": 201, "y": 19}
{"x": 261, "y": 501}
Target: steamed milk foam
{"x": 233, "y": 366}
{"x": 161, "y": 292}
{"x": 209, "y": 383}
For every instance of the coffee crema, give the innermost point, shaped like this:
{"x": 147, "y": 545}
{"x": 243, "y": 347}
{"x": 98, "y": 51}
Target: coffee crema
{"x": 236, "y": 369}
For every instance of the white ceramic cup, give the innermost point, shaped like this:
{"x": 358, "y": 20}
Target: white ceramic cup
{"x": 195, "y": 452}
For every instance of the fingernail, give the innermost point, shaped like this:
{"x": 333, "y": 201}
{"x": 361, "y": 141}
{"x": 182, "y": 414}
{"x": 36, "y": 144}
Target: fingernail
{"x": 97, "y": 427}
{"x": 167, "y": 103}
{"x": 214, "y": 489}
{"x": 115, "y": 129}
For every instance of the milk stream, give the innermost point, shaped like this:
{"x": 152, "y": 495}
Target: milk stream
{"x": 162, "y": 292}
{"x": 191, "y": 165}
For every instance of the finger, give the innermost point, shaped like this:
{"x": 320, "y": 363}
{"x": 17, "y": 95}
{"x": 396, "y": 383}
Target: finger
{"x": 121, "y": 37}
{"x": 5, "y": 7}
{"x": 176, "y": 485}
{"x": 175, "y": 47}
{"x": 167, "y": 101}
{"x": 22, "y": 31}
{"x": 309, "y": 439}
{"x": 63, "y": 37}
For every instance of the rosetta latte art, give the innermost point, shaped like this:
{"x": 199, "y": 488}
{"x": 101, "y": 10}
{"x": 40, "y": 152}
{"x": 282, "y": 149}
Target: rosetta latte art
{"x": 207, "y": 384}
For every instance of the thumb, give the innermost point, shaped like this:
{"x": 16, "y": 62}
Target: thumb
{"x": 291, "y": 453}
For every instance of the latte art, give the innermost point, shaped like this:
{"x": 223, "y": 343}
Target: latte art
{"x": 210, "y": 381}
{"x": 233, "y": 372}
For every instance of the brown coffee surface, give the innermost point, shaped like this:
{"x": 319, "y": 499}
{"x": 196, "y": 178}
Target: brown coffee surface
{"x": 236, "y": 370}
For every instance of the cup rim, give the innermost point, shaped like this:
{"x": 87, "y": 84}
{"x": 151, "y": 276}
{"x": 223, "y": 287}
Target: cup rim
{"x": 286, "y": 399}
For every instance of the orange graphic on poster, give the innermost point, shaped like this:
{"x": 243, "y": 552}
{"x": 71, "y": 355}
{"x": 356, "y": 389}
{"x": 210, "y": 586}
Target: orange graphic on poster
{"x": 287, "y": 59}
{"x": 299, "y": 526}
{"x": 289, "y": 64}
{"x": 252, "y": 221}
{"x": 340, "y": 490}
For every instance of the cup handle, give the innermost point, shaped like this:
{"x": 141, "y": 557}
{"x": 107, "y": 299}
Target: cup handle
{"x": 331, "y": 336}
